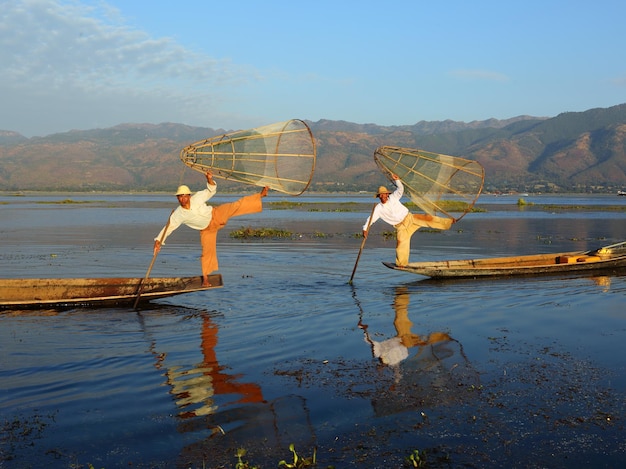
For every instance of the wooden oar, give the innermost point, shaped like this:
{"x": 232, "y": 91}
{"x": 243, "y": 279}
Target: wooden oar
{"x": 154, "y": 256}
{"x": 369, "y": 223}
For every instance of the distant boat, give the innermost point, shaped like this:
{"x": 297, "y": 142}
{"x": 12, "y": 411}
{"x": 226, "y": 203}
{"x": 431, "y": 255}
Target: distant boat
{"x": 621, "y": 192}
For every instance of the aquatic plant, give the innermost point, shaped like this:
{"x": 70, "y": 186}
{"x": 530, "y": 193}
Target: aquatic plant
{"x": 247, "y": 233}
{"x": 416, "y": 459}
{"x": 451, "y": 206}
{"x": 64, "y": 201}
{"x": 298, "y": 462}
{"x": 241, "y": 464}
{"x": 284, "y": 205}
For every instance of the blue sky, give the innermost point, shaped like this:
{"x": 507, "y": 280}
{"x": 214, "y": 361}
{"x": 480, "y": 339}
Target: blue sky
{"x": 236, "y": 65}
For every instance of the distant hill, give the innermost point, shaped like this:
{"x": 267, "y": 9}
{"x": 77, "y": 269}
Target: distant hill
{"x": 574, "y": 151}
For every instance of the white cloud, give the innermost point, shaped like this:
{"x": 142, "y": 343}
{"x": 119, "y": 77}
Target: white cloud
{"x": 66, "y": 66}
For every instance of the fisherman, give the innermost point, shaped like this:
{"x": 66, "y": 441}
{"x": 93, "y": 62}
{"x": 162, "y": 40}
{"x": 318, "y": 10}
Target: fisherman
{"x": 392, "y": 211}
{"x": 197, "y": 214}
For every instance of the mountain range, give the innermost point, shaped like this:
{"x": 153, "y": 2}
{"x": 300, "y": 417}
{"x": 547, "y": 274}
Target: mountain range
{"x": 572, "y": 152}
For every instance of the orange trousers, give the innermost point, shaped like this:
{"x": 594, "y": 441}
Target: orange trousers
{"x": 408, "y": 226}
{"x": 221, "y": 215}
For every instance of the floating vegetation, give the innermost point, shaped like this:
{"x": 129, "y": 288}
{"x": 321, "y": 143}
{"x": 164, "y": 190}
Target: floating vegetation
{"x": 284, "y": 205}
{"x": 315, "y": 206}
{"x": 299, "y": 462}
{"x": 602, "y": 208}
{"x": 452, "y": 206}
{"x": 262, "y": 233}
{"x": 416, "y": 459}
{"x": 19, "y": 433}
{"x": 241, "y": 464}
{"x": 66, "y": 201}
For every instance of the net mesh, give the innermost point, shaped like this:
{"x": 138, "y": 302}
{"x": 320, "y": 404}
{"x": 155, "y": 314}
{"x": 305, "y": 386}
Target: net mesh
{"x": 438, "y": 184}
{"x": 281, "y": 156}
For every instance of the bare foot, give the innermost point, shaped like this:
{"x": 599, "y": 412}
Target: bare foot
{"x": 264, "y": 191}
{"x": 205, "y": 282}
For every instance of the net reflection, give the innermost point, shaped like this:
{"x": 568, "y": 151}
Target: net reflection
{"x": 438, "y": 373}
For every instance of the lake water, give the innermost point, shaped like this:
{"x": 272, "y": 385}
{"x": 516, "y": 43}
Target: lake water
{"x": 525, "y": 372}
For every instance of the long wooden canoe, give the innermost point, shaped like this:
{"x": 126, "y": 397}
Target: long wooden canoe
{"x": 36, "y": 292}
{"x": 606, "y": 259}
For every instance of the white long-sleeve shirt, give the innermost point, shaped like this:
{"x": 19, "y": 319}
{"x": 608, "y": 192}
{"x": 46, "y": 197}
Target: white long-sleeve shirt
{"x": 392, "y": 212}
{"x": 198, "y": 216}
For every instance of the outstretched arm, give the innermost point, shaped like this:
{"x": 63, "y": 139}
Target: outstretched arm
{"x": 399, "y": 192}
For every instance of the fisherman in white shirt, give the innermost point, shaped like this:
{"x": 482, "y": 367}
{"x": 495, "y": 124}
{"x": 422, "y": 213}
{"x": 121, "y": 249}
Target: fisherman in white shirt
{"x": 197, "y": 214}
{"x": 392, "y": 211}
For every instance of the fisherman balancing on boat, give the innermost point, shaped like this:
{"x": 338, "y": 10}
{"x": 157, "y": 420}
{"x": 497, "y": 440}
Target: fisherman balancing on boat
{"x": 197, "y": 214}
{"x": 392, "y": 211}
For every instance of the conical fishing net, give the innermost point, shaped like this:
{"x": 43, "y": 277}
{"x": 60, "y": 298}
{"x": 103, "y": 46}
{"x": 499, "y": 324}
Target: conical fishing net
{"x": 280, "y": 156}
{"x": 438, "y": 184}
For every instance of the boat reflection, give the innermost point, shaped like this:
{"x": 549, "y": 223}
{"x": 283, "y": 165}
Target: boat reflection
{"x": 603, "y": 281}
{"x": 438, "y": 373}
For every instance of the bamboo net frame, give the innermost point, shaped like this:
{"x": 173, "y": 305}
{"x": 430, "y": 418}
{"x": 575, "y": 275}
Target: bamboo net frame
{"x": 281, "y": 156}
{"x": 433, "y": 180}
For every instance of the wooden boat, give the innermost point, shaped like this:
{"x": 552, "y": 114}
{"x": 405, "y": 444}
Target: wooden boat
{"x": 37, "y": 292}
{"x": 605, "y": 259}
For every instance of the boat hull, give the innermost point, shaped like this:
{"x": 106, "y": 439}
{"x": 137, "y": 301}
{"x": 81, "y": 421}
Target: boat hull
{"x": 537, "y": 264}
{"x": 36, "y": 292}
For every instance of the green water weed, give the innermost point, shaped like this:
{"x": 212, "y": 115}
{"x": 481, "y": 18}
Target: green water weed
{"x": 241, "y": 464}
{"x": 417, "y": 459}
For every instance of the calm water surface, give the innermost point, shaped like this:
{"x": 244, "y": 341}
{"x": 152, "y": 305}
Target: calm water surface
{"x": 501, "y": 373}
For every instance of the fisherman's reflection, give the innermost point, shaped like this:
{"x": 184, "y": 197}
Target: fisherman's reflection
{"x": 195, "y": 389}
{"x": 438, "y": 373}
{"x": 393, "y": 351}
{"x": 202, "y": 394}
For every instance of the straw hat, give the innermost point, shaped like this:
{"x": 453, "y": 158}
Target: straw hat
{"x": 183, "y": 190}
{"x": 382, "y": 190}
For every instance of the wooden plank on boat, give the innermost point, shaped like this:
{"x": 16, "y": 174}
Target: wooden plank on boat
{"x": 608, "y": 258}
{"x": 29, "y": 293}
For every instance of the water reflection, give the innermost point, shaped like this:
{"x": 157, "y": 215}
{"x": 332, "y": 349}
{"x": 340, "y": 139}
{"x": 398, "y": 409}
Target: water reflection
{"x": 392, "y": 351}
{"x": 220, "y": 410}
{"x": 195, "y": 389}
{"x": 438, "y": 373}
{"x": 603, "y": 281}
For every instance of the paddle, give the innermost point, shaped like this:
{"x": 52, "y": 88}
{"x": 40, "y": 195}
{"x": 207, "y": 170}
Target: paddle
{"x": 369, "y": 222}
{"x": 139, "y": 287}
